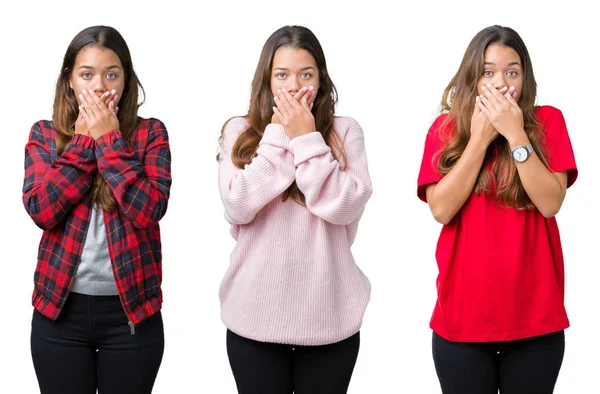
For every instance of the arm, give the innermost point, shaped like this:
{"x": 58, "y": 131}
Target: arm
{"x": 141, "y": 188}
{"x": 546, "y": 189}
{"x": 335, "y": 195}
{"x": 447, "y": 197}
{"x": 246, "y": 191}
{"x": 51, "y": 190}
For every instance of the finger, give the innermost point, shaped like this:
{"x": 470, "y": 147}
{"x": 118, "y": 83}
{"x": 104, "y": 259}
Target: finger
{"x": 494, "y": 95}
{"x": 309, "y": 95}
{"x": 84, "y": 114}
{"x": 313, "y": 94}
{"x": 111, "y": 108}
{"x": 511, "y": 95}
{"x": 476, "y": 109}
{"x": 305, "y": 104}
{"x": 88, "y": 103}
{"x": 99, "y": 103}
{"x": 482, "y": 107}
{"x": 106, "y": 97}
{"x": 286, "y": 102}
{"x": 290, "y": 100}
{"x": 113, "y": 97}
{"x": 486, "y": 103}
{"x": 498, "y": 94}
{"x": 311, "y": 106}
{"x": 278, "y": 114}
{"x": 300, "y": 93}
{"x": 280, "y": 106}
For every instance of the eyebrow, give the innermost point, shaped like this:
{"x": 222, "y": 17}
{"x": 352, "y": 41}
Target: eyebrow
{"x": 509, "y": 64}
{"x": 91, "y": 68}
{"x": 287, "y": 69}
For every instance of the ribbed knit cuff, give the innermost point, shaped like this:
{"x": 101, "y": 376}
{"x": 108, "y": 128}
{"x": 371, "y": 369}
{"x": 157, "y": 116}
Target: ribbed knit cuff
{"x": 308, "y": 146}
{"x": 276, "y": 136}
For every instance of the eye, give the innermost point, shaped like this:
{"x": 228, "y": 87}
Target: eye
{"x": 487, "y": 73}
{"x": 111, "y": 76}
{"x": 512, "y": 74}
{"x": 280, "y": 76}
{"x": 306, "y": 75}
{"x": 86, "y": 75}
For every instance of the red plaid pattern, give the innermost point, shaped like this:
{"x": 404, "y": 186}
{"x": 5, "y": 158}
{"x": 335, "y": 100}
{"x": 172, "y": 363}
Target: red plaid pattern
{"x": 55, "y": 194}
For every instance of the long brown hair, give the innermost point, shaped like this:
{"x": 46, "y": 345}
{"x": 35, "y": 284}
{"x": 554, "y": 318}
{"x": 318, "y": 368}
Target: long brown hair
{"x": 66, "y": 108}
{"x": 458, "y": 100}
{"x": 261, "y": 101}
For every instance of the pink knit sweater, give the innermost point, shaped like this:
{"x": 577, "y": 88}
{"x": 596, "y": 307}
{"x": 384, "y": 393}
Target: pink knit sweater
{"x": 292, "y": 277}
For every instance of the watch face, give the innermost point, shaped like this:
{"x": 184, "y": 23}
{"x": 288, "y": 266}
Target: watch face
{"x": 520, "y": 154}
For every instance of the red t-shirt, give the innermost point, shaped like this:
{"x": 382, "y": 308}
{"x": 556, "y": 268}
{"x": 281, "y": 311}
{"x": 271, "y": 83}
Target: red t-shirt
{"x": 501, "y": 273}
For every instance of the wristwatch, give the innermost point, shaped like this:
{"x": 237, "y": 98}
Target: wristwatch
{"x": 521, "y": 153}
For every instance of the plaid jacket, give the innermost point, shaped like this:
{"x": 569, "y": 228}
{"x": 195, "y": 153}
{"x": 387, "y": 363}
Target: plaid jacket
{"x": 56, "y": 196}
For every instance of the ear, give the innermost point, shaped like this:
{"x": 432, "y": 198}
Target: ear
{"x": 71, "y": 81}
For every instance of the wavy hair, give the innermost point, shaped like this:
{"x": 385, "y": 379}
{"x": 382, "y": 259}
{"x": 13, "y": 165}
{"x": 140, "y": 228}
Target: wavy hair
{"x": 499, "y": 172}
{"x": 66, "y": 108}
{"x": 260, "y": 111}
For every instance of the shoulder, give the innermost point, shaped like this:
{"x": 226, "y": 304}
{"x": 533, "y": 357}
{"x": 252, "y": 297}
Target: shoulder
{"x": 150, "y": 124}
{"x": 235, "y": 125}
{"x": 151, "y": 128}
{"x": 546, "y": 113}
{"x": 44, "y": 126}
{"x": 442, "y": 128}
{"x": 345, "y": 125}
{"x": 440, "y": 120}
{"x": 545, "y": 110}
{"x": 43, "y": 129}
{"x": 232, "y": 129}
{"x": 552, "y": 120}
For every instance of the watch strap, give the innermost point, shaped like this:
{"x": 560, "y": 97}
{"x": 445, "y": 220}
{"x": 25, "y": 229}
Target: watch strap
{"x": 529, "y": 148}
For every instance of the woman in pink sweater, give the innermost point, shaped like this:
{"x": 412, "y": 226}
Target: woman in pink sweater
{"x": 294, "y": 182}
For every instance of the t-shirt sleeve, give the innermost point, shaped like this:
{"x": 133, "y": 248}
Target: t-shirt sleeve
{"x": 429, "y": 165}
{"x": 559, "y": 151}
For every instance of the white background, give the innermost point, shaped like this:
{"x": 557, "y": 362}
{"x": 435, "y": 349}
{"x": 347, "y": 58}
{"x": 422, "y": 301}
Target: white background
{"x": 390, "y": 66}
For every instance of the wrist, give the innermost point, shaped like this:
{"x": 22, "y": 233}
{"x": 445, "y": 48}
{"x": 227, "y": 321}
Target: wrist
{"x": 518, "y": 139}
{"x": 479, "y": 143}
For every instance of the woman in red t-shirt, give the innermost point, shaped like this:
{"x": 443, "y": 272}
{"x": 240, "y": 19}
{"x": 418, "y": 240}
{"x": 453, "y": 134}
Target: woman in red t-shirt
{"x": 495, "y": 172}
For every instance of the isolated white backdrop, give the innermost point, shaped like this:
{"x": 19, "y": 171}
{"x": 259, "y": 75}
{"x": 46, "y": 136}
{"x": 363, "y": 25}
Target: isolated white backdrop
{"x": 390, "y": 66}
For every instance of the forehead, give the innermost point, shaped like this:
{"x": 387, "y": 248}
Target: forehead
{"x": 501, "y": 55}
{"x": 96, "y": 56}
{"x": 291, "y": 58}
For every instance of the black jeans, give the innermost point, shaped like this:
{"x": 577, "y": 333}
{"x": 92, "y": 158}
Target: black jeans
{"x": 90, "y": 346}
{"x": 525, "y": 366}
{"x": 269, "y": 368}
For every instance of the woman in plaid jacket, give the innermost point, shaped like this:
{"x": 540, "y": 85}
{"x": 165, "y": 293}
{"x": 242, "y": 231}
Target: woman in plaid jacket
{"x": 97, "y": 180}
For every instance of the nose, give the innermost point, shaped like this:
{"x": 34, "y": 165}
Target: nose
{"x": 293, "y": 84}
{"x": 500, "y": 81}
{"x": 98, "y": 85}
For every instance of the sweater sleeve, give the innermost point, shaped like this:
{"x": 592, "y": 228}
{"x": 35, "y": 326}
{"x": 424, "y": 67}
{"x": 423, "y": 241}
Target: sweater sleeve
{"x": 141, "y": 188}
{"x": 334, "y": 194}
{"x": 246, "y": 191}
{"x": 50, "y": 190}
